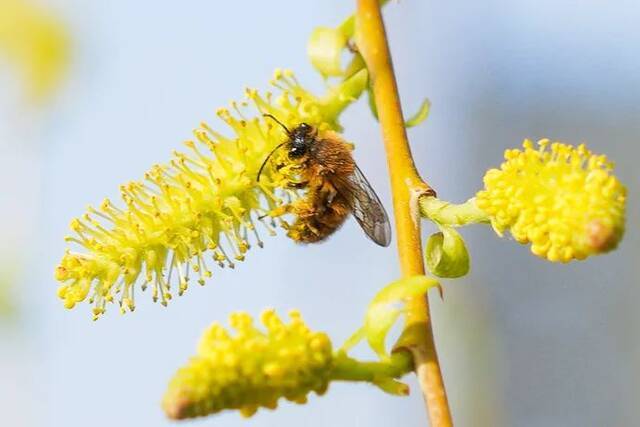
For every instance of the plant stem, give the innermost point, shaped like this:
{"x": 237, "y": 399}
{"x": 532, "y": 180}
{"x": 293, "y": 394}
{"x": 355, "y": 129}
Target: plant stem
{"x": 407, "y": 187}
{"x": 348, "y": 369}
{"x": 446, "y": 213}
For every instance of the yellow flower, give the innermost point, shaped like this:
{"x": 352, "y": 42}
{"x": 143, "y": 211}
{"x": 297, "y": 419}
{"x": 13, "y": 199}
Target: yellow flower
{"x": 563, "y": 200}
{"x": 252, "y": 368}
{"x": 34, "y": 41}
{"x": 255, "y": 368}
{"x": 206, "y": 201}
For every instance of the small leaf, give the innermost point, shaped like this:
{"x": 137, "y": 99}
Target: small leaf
{"x": 387, "y": 306}
{"x": 356, "y": 64}
{"x": 446, "y": 254}
{"x": 421, "y": 115}
{"x": 380, "y": 318}
{"x": 372, "y": 102}
{"x": 391, "y": 386}
{"x": 325, "y": 49}
{"x": 342, "y": 95}
{"x": 353, "y": 340}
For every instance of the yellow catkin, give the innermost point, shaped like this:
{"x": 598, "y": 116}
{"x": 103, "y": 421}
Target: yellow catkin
{"x": 564, "y": 200}
{"x": 35, "y": 42}
{"x": 204, "y": 207}
{"x": 251, "y": 368}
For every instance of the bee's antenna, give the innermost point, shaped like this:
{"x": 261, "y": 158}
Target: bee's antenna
{"x": 268, "y": 157}
{"x": 272, "y": 117}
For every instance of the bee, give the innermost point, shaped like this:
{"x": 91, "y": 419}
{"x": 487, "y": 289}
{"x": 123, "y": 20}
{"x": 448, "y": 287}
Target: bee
{"x": 334, "y": 186}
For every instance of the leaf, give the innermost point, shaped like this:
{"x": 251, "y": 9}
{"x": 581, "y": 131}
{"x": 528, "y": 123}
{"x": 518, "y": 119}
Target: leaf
{"x": 342, "y": 95}
{"x": 325, "y": 50}
{"x": 353, "y": 340}
{"x": 372, "y": 102}
{"x": 387, "y": 306}
{"x": 420, "y": 116}
{"x": 446, "y": 254}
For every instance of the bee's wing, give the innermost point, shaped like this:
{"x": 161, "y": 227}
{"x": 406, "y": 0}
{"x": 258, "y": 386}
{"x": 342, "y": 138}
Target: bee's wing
{"x": 365, "y": 206}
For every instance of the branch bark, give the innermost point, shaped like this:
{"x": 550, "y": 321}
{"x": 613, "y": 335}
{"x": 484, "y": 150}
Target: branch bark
{"x": 407, "y": 187}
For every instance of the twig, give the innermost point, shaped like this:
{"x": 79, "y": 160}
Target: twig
{"x": 407, "y": 187}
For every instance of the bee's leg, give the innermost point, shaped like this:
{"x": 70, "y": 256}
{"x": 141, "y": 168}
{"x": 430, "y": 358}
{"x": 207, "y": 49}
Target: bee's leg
{"x": 308, "y": 228}
{"x": 331, "y": 193}
{"x": 289, "y": 167}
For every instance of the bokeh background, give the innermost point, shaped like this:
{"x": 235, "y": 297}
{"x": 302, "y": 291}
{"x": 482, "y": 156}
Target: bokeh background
{"x": 522, "y": 342}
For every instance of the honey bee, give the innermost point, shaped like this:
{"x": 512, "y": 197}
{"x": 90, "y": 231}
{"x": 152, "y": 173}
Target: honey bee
{"x": 335, "y": 187}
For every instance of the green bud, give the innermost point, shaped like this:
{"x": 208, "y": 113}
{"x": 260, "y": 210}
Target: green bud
{"x": 446, "y": 254}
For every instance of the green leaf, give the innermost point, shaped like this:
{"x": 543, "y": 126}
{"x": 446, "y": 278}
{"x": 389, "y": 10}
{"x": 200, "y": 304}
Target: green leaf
{"x": 342, "y": 95}
{"x": 372, "y": 102}
{"x": 387, "y": 306}
{"x": 446, "y": 254}
{"x": 421, "y": 115}
{"x": 380, "y": 318}
{"x": 357, "y": 64}
{"x": 353, "y": 340}
{"x": 325, "y": 50}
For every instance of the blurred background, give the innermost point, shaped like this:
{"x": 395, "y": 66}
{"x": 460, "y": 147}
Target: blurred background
{"x": 522, "y": 342}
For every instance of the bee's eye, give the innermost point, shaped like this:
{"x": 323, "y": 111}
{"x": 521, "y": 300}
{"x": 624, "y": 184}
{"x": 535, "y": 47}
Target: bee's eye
{"x": 305, "y": 127}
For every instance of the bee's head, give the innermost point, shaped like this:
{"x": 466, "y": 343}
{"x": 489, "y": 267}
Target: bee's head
{"x": 301, "y": 139}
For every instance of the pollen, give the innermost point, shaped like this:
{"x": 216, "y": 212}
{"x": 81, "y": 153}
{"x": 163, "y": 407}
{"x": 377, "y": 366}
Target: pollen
{"x": 203, "y": 208}
{"x": 252, "y": 368}
{"x": 563, "y": 200}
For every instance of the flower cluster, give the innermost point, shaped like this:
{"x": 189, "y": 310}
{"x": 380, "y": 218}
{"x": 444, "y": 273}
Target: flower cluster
{"x": 36, "y": 42}
{"x": 205, "y": 201}
{"x": 564, "y": 200}
{"x": 252, "y": 368}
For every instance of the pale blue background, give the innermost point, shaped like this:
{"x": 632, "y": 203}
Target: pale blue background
{"x": 523, "y": 342}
